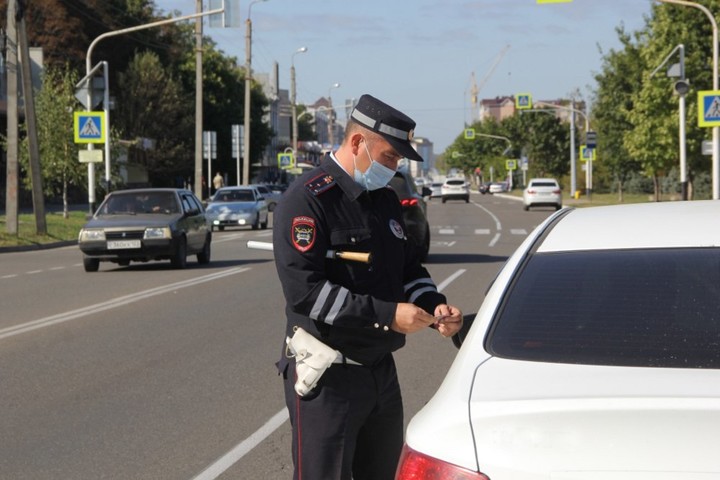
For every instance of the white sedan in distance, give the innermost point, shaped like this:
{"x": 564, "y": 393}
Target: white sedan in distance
{"x": 542, "y": 192}
{"x": 595, "y": 355}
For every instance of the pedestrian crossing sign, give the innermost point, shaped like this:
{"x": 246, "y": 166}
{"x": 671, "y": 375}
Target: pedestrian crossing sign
{"x": 709, "y": 108}
{"x": 89, "y": 127}
{"x": 523, "y": 101}
{"x": 286, "y": 160}
{"x": 469, "y": 133}
{"x": 587, "y": 153}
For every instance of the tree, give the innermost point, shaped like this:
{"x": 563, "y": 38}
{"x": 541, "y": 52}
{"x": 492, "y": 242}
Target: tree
{"x": 59, "y": 164}
{"x": 653, "y": 138}
{"x": 152, "y": 104}
{"x": 617, "y": 86}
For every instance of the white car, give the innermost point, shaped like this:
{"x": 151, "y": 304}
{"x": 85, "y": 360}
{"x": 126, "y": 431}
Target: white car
{"x": 455, "y": 189}
{"x": 238, "y": 207}
{"x": 595, "y": 355}
{"x": 542, "y": 192}
{"x": 498, "y": 187}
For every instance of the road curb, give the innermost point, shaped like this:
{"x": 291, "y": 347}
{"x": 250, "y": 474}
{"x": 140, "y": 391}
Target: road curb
{"x": 42, "y": 246}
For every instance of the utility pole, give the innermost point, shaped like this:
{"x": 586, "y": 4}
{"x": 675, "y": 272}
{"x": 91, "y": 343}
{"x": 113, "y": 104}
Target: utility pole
{"x": 198, "y": 102}
{"x": 11, "y": 194}
{"x": 30, "y": 121}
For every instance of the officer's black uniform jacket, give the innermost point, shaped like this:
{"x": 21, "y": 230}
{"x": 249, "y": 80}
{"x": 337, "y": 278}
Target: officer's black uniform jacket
{"x": 348, "y": 305}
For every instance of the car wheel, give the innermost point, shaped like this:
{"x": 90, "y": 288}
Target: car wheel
{"x": 179, "y": 260}
{"x": 264, "y": 225}
{"x": 558, "y": 207}
{"x": 256, "y": 223}
{"x": 467, "y": 199}
{"x": 123, "y": 263}
{"x": 203, "y": 257}
{"x": 91, "y": 264}
{"x": 444, "y": 200}
{"x": 526, "y": 207}
{"x": 221, "y": 228}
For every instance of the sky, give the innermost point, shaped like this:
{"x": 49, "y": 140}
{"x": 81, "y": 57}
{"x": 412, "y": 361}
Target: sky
{"x": 420, "y": 55}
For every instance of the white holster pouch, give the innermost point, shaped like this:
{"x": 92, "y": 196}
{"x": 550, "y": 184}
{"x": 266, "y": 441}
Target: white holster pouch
{"x": 312, "y": 358}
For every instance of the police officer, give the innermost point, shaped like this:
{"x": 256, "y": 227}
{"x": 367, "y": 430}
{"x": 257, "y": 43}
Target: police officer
{"x": 350, "y": 425}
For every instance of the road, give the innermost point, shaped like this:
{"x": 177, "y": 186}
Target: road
{"x": 144, "y": 372}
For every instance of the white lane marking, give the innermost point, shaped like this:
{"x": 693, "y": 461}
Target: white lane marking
{"x": 244, "y": 447}
{"x": 33, "y": 272}
{"x": 446, "y": 231}
{"x": 450, "y": 279}
{"x": 498, "y": 225}
{"x": 444, "y": 244}
{"x": 110, "y": 304}
{"x": 219, "y": 467}
{"x": 264, "y": 234}
{"x": 57, "y": 268}
{"x": 12, "y": 275}
{"x": 482, "y": 231}
{"x": 518, "y": 231}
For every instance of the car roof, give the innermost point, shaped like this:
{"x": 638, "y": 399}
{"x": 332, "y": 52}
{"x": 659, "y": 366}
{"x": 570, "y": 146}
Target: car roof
{"x": 542, "y": 180}
{"x": 643, "y": 225}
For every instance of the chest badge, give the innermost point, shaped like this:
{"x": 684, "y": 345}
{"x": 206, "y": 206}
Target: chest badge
{"x": 397, "y": 229}
{"x": 303, "y": 233}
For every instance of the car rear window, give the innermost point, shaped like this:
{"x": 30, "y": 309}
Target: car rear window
{"x": 543, "y": 184}
{"x": 651, "y": 308}
{"x": 455, "y": 182}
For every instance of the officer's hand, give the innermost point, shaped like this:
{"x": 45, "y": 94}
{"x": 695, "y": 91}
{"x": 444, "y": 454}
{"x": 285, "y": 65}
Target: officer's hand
{"x": 449, "y": 320}
{"x": 410, "y": 318}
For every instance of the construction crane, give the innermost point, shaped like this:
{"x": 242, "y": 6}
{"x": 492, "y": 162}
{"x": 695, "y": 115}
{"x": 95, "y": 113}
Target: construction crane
{"x": 475, "y": 89}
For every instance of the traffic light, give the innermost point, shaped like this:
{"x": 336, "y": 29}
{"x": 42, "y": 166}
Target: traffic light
{"x": 682, "y": 87}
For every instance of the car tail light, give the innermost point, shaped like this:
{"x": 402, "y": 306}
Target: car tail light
{"x": 532, "y": 192}
{"x": 415, "y": 466}
{"x": 556, "y": 192}
{"x": 409, "y": 202}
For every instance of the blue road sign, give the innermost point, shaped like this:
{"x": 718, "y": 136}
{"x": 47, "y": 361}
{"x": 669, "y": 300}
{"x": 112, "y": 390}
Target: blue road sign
{"x": 89, "y": 127}
{"x": 709, "y": 111}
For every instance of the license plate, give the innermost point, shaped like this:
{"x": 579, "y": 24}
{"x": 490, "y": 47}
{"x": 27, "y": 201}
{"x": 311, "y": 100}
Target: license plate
{"x": 122, "y": 244}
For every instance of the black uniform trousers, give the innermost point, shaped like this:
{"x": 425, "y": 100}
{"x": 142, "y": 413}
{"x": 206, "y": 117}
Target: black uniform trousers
{"x": 350, "y": 426}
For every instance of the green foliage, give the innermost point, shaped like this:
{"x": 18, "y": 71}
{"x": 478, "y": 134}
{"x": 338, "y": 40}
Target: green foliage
{"x": 543, "y": 138}
{"x": 152, "y": 104}
{"x": 54, "y": 105}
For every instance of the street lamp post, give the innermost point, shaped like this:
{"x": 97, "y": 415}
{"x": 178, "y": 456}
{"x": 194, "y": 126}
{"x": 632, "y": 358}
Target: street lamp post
{"x": 293, "y": 99}
{"x": 681, "y": 88}
{"x": 715, "y": 130}
{"x": 588, "y": 171}
{"x": 331, "y": 133}
{"x": 248, "y": 80}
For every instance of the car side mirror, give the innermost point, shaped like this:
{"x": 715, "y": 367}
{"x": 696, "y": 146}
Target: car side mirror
{"x": 192, "y": 212}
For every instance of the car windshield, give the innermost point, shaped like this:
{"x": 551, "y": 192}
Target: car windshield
{"x": 234, "y": 196}
{"x": 651, "y": 308}
{"x": 140, "y": 202}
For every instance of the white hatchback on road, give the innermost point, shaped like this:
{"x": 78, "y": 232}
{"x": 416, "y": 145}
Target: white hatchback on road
{"x": 542, "y": 192}
{"x": 595, "y": 355}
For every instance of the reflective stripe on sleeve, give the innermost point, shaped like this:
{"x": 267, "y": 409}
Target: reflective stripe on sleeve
{"x": 420, "y": 291}
{"x": 320, "y": 301}
{"x": 337, "y": 305}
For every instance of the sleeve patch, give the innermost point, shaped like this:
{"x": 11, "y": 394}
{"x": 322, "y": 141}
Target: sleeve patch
{"x": 303, "y": 233}
{"x": 320, "y": 184}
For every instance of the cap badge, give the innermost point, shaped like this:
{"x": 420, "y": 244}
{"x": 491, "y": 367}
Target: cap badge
{"x": 411, "y": 134}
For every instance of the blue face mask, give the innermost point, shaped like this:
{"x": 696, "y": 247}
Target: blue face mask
{"x": 376, "y": 176}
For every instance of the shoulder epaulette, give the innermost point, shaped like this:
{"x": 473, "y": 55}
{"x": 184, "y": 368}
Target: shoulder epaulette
{"x": 320, "y": 184}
